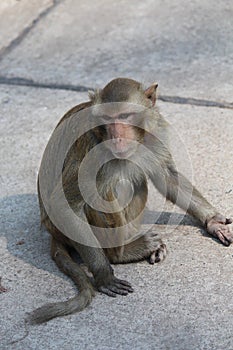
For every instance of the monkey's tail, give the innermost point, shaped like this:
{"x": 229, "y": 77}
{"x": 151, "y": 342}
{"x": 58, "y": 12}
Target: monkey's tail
{"x": 49, "y": 311}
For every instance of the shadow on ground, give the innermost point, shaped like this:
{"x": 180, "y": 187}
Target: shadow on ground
{"x": 28, "y": 241}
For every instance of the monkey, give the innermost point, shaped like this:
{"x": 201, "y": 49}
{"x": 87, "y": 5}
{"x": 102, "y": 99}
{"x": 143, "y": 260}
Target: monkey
{"x": 128, "y": 145}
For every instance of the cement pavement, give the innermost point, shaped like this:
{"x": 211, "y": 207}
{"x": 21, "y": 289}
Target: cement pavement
{"x": 51, "y": 52}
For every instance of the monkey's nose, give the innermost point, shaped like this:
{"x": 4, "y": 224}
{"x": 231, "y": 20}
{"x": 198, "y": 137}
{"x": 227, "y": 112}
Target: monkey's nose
{"x": 116, "y": 140}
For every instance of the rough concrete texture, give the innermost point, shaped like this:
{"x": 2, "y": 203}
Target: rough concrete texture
{"x": 185, "y": 302}
{"x": 17, "y": 16}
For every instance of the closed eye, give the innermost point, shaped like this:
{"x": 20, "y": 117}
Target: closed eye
{"x": 124, "y": 116}
{"x": 105, "y": 118}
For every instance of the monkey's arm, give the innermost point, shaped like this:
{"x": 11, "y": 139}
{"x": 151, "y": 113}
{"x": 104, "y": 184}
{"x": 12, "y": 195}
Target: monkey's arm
{"x": 102, "y": 271}
{"x": 180, "y": 191}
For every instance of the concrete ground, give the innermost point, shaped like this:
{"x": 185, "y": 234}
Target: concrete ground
{"x": 51, "y": 53}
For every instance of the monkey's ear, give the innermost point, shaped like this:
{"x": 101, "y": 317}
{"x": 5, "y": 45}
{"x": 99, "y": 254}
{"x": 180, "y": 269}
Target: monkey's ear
{"x": 95, "y": 96}
{"x": 150, "y": 93}
{"x": 91, "y": 95}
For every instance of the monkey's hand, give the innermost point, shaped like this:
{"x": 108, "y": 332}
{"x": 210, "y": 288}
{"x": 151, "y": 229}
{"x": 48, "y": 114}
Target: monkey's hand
{"x": 113, "y": 286}
{"x": 217, "y": 227}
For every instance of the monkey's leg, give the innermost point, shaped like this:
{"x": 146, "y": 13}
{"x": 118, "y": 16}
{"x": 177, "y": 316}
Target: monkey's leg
{"x": 147, "y": 246}
{"x": 90, "y": 251}
{"x": 66, "y": 264}
{"x": 78, "y": 303}
{"x": 102, "y": 271}
{"x": 180, "y": 191}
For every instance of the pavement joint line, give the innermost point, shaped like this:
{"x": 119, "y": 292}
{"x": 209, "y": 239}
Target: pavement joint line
{"x": 195, "y": 101}
{"x": 31, "y": 83}
{"x": 15, "y": 42}
{"x": 18, "y": 81}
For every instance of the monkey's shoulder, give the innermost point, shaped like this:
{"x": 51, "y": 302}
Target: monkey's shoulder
{"x": 74, "y": 110}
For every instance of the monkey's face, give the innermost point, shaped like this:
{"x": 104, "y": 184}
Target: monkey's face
{"x": 122, "y": 135}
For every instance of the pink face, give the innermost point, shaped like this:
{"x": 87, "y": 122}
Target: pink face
{"x": 121, "y": 134}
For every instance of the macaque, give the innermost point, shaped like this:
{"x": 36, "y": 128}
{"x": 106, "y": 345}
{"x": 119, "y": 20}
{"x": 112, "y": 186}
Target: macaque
{"x": 125, "y": 138}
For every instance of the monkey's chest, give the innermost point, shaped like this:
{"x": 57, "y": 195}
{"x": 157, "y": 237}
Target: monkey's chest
{"x": 122, "y": 195}
{"x": 120, "y": 202}
{"x": 123, "y": 191}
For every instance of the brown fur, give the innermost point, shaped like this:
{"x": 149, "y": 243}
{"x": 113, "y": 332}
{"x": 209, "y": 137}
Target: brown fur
{"x": 160, "y": 168}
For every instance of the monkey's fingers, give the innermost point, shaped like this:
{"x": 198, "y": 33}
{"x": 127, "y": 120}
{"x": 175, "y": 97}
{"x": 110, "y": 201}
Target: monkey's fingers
{"x": 123, "y": 287}
{"x": 224, "y": 235}
{"x": 112, "y": 291}
{"x": 217, "y": 227}
{"x": 124, "y": 283}
{"x": 118, "y": 290}
{"x": 107, "y": 291}
{"x": 116, "y": 286}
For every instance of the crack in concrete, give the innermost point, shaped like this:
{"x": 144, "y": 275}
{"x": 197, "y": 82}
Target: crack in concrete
{"x": 17, "y": 81}
{"x": 195, "y": 101}
{"x": 31, "y": 83}
{"x": 15, "y": 42}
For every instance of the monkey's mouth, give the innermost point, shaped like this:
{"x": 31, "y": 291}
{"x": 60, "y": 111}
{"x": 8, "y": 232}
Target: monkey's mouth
{"x": 122, "y": 148}
{"x": 123, "y": 154}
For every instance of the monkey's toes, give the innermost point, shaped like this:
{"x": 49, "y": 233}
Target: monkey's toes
{"x": 115, "y": 287}
{"x": 159, "y": 254}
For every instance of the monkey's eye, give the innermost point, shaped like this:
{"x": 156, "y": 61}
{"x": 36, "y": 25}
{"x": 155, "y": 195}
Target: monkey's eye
{"x": 105, "y": 118}
{"x": 124, "y": 116}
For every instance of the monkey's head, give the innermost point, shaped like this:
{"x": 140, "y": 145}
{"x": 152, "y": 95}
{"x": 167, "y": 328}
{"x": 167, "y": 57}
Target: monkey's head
{"x": 120, "y": 107}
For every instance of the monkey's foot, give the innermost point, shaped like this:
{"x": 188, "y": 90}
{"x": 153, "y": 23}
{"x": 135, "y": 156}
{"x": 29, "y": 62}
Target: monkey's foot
{"x": 115, "y": 286}
{"x": 157, "y": 250}
{"x": 217, "y": 227}
{"x": 159, "y": 254}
